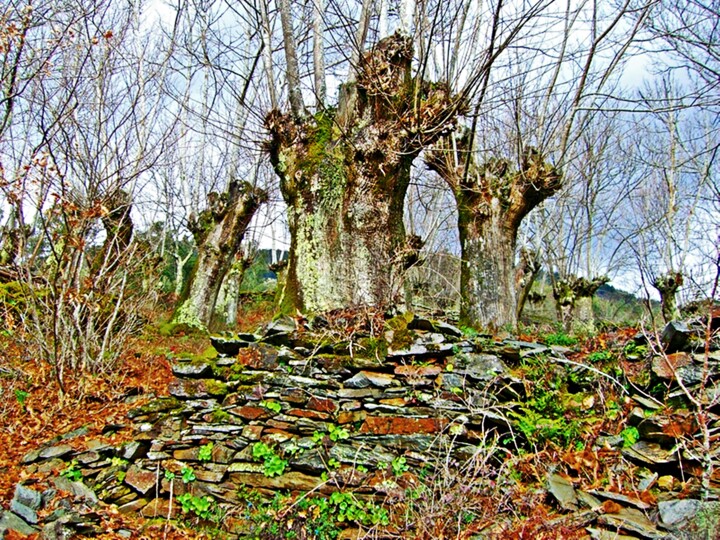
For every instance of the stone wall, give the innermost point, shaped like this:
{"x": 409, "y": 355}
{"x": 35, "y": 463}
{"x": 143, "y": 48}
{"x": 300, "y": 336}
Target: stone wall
{"x": 287, "y": 412}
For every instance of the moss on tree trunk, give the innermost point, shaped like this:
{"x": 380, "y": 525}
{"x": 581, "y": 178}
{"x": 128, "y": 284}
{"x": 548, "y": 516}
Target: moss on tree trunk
{"x": 667, "y": 285}
{"x": 344, "y": 173}
{"x": 492, "y": 200}
{"x": 218, "y": 232}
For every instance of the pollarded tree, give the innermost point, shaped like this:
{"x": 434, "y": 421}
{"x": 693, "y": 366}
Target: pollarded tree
{"x": 344, "y": 173}
{"x": 492, "y": 200}
{"x": 530, "y": 109}
{"x": 218, "y": 232}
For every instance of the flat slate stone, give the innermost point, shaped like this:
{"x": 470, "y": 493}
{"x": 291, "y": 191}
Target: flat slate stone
{"x": 649, "y": 453}
{"x": 631, "y": 520}
{"x": 143, "y": 481}
{"x": 28, "y": 514}
{"x": 12, "y": 522}
{"x": 618, "y": 497}
{"x": 77, "y": 489}
{"x": 58, "y": 451}
{"x": 421, "y": 351}
{"x": 192, "y": 370}
{"x": 27, "y": 497}
{"x": 678, "y": 511}
{"x": 563, "y": 491}
{"x": 229, "y": 346}
{"x": 134, "y": 450}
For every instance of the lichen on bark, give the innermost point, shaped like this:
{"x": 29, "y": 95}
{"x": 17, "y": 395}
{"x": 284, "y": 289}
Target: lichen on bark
{"x": 667, "y": 285}
{"x": 344, "y": 173}
{"x": 492, "y": 199}
{"x": 218, "y": 233}
{"x": 573, "y": 300}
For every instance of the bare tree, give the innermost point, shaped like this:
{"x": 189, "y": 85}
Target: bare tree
{"x": 534, "y": 104}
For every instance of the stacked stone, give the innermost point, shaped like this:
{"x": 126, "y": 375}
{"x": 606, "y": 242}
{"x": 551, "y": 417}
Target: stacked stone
{"x": 340, "y": 414}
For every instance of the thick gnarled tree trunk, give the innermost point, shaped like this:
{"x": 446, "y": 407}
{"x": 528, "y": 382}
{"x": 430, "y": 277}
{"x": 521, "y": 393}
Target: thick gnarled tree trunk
{"x": 344, "y": 174}
{"x": 492, "y": 200}
{"x": 573, "y": 300}
{"x": 218, "y": 232}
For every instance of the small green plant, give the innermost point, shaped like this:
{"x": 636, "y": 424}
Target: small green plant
{"x": 333, "y": 463}
{"x": 169, "y": 475}
{"x": 599, "y": 356}
{"x": 219, "y": 416}
{"x": 469, "y": 332}
{"x": 630, "y": 436}
{"x": 273, "y": 406}
{"x": 336, "y": 433}
{"x": 187, "y": 475}
{"x": 21, "y": 397}
{"x": 561, "y": 339}
{"x": 205, "y": 453}
{"x": 273, "y": 465}
{"x": 613, "y": 409}
{"x": 348, "y": 508}
{"x": 633, "y": 351}
{"x": 72, "y": 471}
{"x": 202, "y": 507}
{"x": 118, "y": 462}
{"x": 399, "y": 465}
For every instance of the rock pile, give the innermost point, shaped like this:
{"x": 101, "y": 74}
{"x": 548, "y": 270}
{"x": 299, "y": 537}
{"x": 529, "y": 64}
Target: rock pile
{"x": 293, "y": 413}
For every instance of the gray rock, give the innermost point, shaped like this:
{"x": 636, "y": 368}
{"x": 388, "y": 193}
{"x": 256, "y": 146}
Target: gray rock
{"x": 602, "y": 534}
{"x": 527, "y": 345}
{"x": 229, "y": 346}
{"x": 134, "y": 450}
{"x": 31, "y": 456}
{"x": 447, "y": 329}
{"x": 650, "y": 453}
{"x": 281, "y": 325}
{"x": 359, "y": 380}
{"x": 421, "y": 350}
{"x": 563, "y": 491}
{"x": 12, "y": 522}
{"x": 632, "y": 520}
{"x": 28, "y": 514}
{"x": 675, "y": 336}
{"x": 77, "y": 489}
{"x": 483, "y": 367}
{"x": 58, "y": 451}
{"x": 618, "y": 497}
{"x": 194, "y": 370}
{"x": 677, "y": 511}
{"x": 369, "y": 458}
{"x": 27, "y": 497}
{"x": 450, "y": 381}
{"x": 79, "y": 432}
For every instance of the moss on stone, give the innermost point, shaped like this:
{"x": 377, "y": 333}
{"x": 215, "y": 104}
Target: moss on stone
{"x": 372, "y": 347}
{"x": 402, "y": 336}
{"x": 216, "y": 388}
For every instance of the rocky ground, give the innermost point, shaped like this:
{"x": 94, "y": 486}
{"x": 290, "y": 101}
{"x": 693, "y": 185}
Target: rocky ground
{"x": 355, "y": 425}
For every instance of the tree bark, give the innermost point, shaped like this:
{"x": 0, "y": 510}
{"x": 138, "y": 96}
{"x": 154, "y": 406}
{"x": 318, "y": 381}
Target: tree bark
{"x": 218, "y": 232}
{"x": 118, "y": 226}
{"x": 573, "y": 300}
{"x": 344, "y": 174}
{"x": 492, "y": 200}
{"x": 528, "y": 272}
{"x": 667, "y": 285}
